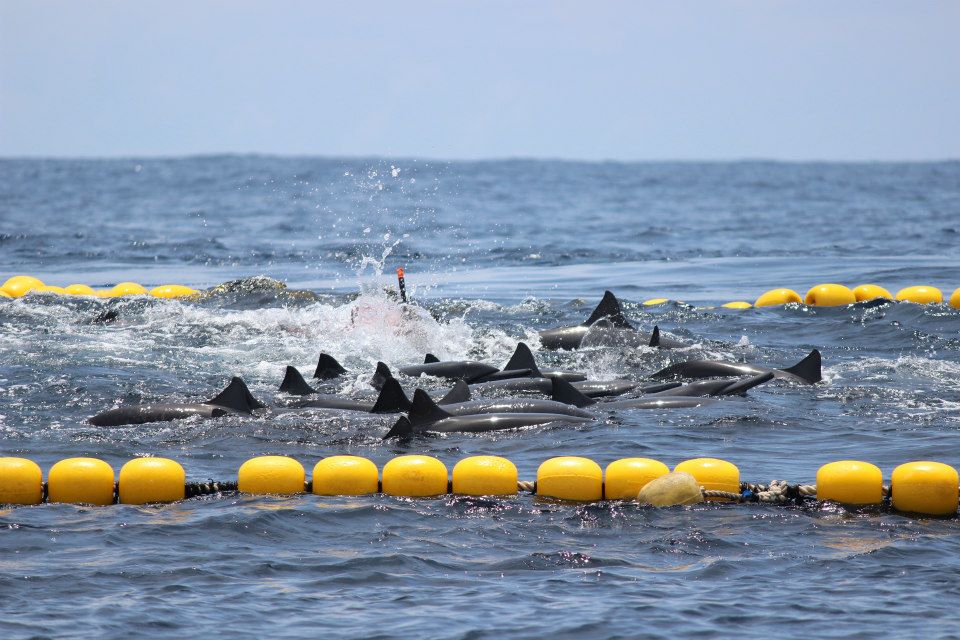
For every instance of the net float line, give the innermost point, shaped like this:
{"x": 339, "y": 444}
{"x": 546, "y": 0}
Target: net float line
{"x": 821, "y": 295}
{"x": 920, "y": 487}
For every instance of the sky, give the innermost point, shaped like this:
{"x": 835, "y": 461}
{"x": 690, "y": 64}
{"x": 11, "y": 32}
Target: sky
{"x": 596, "y": 80}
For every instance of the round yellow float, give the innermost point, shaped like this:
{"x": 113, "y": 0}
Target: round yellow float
{"x": 80, "y": 290}
{"x": 146, "y": 480}
{"x": 712, "y": 474}
{"x": 776, "y": 297}
{"x": 570, "y": 478}
{"x": 830, "y": 295}
{"x": 850, "y": 482}
{"x": 415, "y": 477}
{"x": 345, "y": 476}
{"x": 271, "y": 474}
{"x": 172, "y": 291}
{"x": 870, "y": 292}
{"x": 929, "y": 488}
{"x": 21, "y": 481}
{"x": 80, "y": 480}
{"x": 920, "y": 295}
{"x": 485, "y": 476}
{"x": 18, "y": 286}
{"x": 624, "y": 478}
{"x": 738, "y": 304}
{"x": 127, "y": 289}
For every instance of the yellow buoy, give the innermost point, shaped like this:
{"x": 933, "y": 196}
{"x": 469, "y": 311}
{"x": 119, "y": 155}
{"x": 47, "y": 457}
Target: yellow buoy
{"x": 925, "y": 487}
{"x": 485, "y": 476}
{"x": 146, "y": 480}
{"x": 415, "y": 477}
{"x": 776, "y": 297}
{"x": 21, "y": 481}
{"x": 739, "y": 304}
{"x": 345, "y": 476}
{"x": 920, "y": 295}
{"x": 271, "y": 474}
{"x": 712, "y": 474}
{"x": 850, "y": 482}
{"x": 49, "y": 288}
{"x": 955, "y": 299}
{"x": 624, "y": 478}
{"x": 81, "y": 480}
{"x": 570, "y": 478}
{"x": 127, "y": 289}
{"x": 870, "y": 292}
{"x": 652, "y": 302}
{"x": 19, "y": 285}
{"x": 830, "y": 295}
{"x": 4, "y": 294}
{"x": 672, "y": 489}
{"x": 80, "y": 290}
{"x": 172, "y": 291}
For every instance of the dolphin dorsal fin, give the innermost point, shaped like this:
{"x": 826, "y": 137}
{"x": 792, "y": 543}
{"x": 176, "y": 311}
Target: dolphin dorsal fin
{"x": 430, "y": 359}
{"x": 380, "y": 375}
{"x": 294, "y": 384}
{"x": 401, "y": 429}
{"x": 566, "y": 393}
{"x": 741, "y": 386}
{"x": 810, "y": 368}
{"x": 328, "y": 368}
{"x": 235, "y": 397}
{"x": 609, "y": 307}
{"x": 522, "y": 358}
{"x": 459, "y": 393}
{"x": 392, "y": 399}
{"x": 655, "y": 336}
{"x": 424, "y": 410}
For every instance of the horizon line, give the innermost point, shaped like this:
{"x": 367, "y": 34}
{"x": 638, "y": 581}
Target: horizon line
{"x": 456, "y": 160}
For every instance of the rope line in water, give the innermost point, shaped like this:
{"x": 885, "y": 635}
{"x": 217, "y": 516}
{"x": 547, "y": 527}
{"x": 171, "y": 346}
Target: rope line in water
{"x": 821, "y": 295}
{"x": 930, "y": 488}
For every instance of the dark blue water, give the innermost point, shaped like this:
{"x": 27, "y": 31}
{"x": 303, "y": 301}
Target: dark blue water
{"x": 494, "y": 251}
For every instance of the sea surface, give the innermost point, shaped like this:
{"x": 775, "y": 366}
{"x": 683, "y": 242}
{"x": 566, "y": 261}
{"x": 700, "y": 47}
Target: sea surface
{"x": 493, "y": 251}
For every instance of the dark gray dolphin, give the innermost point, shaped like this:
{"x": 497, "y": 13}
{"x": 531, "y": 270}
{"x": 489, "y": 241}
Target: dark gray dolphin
{"x": 522, "y": 358}
{"x": 391, "y": 399}
{"x": 234, "y": 399}
{"x": 564, "y": 392}
{"x": 474, "y": 423}
{"x": 328, "y": 368}
{"x": 725, "y": 387}
{"x": 424, "y": 407}
{"x": 592, "y": 388}
{"x": 807, "y": 371}
{"x": 606, "y": 326}
{"x": 452, "y": 369}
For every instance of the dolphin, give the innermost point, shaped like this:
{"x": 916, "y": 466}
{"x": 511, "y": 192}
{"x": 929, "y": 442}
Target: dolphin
{"x": 522, "y": 358}
{"x": 391, "y": 399}
{"x": 423, "y": 405}
{"x": 234, "y": 399}
{"x": 453, "y": 369}
{"x": 726, "y": 387}
{"x": 807, "y": 371}
{"x": 565, "y": 392}
{"x": 592, "y": 388}
{"x": 606, "y": 326}
{"x": 328, "y": 368}
{"x": 442, "y": 422}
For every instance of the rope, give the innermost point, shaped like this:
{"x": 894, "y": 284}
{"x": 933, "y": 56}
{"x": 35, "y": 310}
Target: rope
{"x": 194, "y": 489}
{"x": 526, "y": 485}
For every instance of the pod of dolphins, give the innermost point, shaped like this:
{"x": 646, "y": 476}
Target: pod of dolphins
{"x": 570, "y": 397}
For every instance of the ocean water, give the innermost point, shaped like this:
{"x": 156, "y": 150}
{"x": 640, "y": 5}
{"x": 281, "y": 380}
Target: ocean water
{"x": 494, "y": 251}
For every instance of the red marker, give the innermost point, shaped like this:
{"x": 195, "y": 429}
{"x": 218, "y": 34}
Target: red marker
{"x": 403, "y": 286}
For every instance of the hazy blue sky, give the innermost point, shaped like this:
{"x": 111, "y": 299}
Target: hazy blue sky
{"x": 621, "y": 80}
